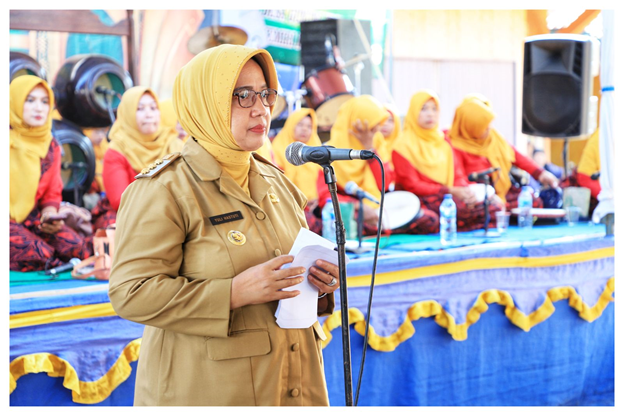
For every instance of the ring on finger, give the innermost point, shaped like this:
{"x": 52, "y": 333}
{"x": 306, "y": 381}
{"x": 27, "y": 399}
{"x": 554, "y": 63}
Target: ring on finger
{"x": 333, "y": 282}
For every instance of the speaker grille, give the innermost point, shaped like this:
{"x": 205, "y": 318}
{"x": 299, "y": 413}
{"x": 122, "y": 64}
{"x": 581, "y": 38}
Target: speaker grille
{"x": 578, "y": 59}
{"x": 551, "y": 104}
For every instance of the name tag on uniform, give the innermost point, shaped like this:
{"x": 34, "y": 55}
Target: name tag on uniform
{"x": 229, "y": 217}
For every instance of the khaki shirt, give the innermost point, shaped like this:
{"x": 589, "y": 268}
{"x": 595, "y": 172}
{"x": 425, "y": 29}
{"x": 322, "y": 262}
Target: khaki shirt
{"x": 175, "y": 257}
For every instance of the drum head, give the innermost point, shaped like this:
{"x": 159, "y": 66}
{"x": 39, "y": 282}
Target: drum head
{"x": 327, "y": 112}
{"x": 400, "y": 207}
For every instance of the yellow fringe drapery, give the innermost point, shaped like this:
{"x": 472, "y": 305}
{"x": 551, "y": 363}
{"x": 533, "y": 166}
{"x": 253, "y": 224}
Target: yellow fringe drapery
{"x": 431, "y": 308}
{"x": 84, "y": 392}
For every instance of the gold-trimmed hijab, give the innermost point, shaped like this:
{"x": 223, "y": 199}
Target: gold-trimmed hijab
{"x": 426, "y": 149}
{"x": 472, "y": 118}
{"x": 363, "y": 108}
{"x": 303, "y": 176}
{"x": 202, "y": 98}
{"x": 28, "y": 145}
{"x": 140, "y": 149}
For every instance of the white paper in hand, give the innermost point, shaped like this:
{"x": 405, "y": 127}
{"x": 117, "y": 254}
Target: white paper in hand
{"x": 301, "y": 311}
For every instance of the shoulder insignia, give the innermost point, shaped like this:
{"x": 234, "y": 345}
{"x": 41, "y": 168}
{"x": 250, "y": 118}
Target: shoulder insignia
{"x": 265, "y": 161}
{"x": 158, "y": 166}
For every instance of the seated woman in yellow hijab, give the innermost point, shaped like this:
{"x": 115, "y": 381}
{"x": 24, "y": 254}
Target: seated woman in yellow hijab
{"x": 424, "y": 164}
{"x": 199, "y": 252}
{"x": 479, "y": 147}
{"x": 358, "y": 126}
{"x": 137, "y": 139}
{"x": 301, "y": 126}
{"x": 37, "y": 240}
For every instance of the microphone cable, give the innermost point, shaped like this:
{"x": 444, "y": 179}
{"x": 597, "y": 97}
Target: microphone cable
{"x": 372, "y": 285}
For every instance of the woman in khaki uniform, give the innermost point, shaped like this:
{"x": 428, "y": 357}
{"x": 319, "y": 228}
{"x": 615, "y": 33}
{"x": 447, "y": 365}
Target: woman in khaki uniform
{"x": 199, "y": 246}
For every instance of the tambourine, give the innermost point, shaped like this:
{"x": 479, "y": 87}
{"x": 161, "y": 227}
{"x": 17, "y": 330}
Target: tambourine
{"x": 400, "y": 209}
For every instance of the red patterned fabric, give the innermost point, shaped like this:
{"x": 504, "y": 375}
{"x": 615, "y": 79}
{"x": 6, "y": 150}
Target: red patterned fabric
{"x": 30, "y": 249}
{"x": 431, "y": 194}
{"x": 427, "y": 223}
{"x": 33, "y": 250}
{"x": 102, "y": 215}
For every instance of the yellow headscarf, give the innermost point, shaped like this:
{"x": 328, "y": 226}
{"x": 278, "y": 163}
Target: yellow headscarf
{"x": 364, "y": 108}
{"x": 140, "y": 149}
{"x": 426, "y": 149}
{"x": 472, "y": 118}
{"x": 304, "y": 176}
{"x": 386, "y": 147}
{"x": 202, "y": 98}
{"x": 590, "y": 158}
{"x": 28, "y": 145}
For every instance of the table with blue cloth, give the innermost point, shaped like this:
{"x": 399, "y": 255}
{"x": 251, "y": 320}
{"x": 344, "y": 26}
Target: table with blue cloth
{"x": 522, "y": 319}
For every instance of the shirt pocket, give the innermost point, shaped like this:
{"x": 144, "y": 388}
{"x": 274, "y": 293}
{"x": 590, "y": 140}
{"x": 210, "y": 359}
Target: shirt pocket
{"x": 248, "y": 343}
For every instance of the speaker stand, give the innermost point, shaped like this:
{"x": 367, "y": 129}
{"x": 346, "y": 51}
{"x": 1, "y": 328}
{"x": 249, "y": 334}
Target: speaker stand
{"x": 565, "y": 157}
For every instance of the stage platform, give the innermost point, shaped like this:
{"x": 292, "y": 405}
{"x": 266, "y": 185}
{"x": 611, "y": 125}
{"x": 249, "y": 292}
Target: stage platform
{"x": 522, "y": 319}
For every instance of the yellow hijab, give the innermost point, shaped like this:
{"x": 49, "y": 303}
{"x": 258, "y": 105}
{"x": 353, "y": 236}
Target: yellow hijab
{"x": 202, "y": 98}
{"x": 426, "y": 149}
{"x": 472, "y": 118}
{"x": 386, "y": 147}
{"x": 590, "y": 158}
{"x": 28, "y": 145}
{"x": 364, "y": 108}
{"x": 140, "y": 149}
{"x": 304, "y": 176}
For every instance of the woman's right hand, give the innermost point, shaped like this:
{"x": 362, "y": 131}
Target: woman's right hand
{"x": 264, "y": 282}
{"x": 464, "y": 194}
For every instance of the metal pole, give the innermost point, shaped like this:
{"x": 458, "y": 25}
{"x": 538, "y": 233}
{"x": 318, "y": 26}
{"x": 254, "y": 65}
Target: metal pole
{"x": 330, "y": 180}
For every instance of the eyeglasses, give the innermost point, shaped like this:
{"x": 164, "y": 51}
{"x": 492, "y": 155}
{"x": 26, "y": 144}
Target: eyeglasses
{"x": 247, "y": 98}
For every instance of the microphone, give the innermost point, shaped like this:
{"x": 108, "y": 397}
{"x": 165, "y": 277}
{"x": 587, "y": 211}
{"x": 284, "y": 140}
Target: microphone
{"x": 352, "y": 189}
{"x": 65, "y": 267}
{"x": 475, "y": 176}
{"x": 298, "y": 153}
{"x": 103, "y": 90}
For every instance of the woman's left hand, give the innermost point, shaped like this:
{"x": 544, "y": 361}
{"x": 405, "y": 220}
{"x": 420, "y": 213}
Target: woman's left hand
{"x": 51, "y": 227}
{"x": 547, "y": 178}
{"x": 325, "y": 276}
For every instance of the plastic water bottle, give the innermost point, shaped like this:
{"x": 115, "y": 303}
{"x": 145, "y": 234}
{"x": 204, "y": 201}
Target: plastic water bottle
{"x": 329, "y": 221}
{"x": 448, "y": 220}
{"x": 525, "y": 204}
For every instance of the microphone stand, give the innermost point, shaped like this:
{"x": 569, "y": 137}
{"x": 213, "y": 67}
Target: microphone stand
{"x": 330, "y": 180}
{"x": 486, "y": 206}
{"x": 360, "y": 227}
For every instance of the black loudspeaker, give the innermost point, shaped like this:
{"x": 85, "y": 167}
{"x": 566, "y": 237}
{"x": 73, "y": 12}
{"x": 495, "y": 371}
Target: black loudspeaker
{"x": 89, "y": 88}
{"x": 345, "y": 35}
{"x": 558, "y": 74}
{"x": 22, "y": 64}
{"x": 77, "y": 160}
